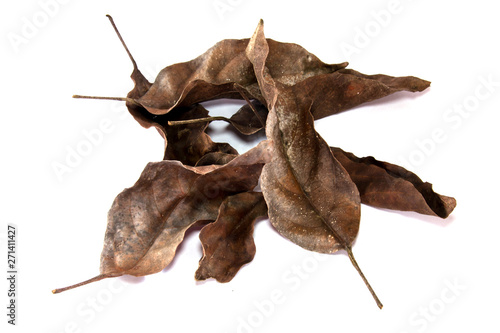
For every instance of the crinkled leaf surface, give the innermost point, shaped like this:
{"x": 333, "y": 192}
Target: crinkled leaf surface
{"x": 228, "y": 242}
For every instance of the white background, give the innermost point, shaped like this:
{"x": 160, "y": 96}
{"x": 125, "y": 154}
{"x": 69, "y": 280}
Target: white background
{"x": 432, "y": 275}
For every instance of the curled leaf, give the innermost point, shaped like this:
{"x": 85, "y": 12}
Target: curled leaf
{"x": 228, "y": 242}
{"x": 224, "y": 71}
{"x": 148, "y": 221}
{"x": 250, "y": 119}
{"x": 390, "y": 186}
{"x": 215, "y": 73}
{"x": 312, "y": 200}
{"x": 346, "y": 89}
{"x": 188, "y": 143}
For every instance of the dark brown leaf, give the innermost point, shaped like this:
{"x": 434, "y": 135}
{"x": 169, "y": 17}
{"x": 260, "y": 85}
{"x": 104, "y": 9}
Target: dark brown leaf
{"x": 147, "y": 222}
{"x": 346, "y": 89}
{"x": 386, "y": 185}
{"x": 312, "y": 200}
{"x": 224, "y": 71}
{"x": 250, "y": 119}
{"x": 313, "y": 191}
{"x": 215, "y": 73}
{"x": 308, "y": 192}
{"x": 228, "y": 242}
{"x": 188, "y": 143}
{"x": 340, "y": 89}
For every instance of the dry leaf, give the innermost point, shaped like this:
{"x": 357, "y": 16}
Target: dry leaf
{"x": 312, "y": 200}
{"x": 189, "y": 143}
{"x": 148, "y": 221}
{"x": 387, "y": 185}
{"x": 311, "y": 192}
{"x": 228, "y": 242}
{"x": 224, "y": 71}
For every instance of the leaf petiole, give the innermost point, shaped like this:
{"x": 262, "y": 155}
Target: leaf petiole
{"x": 94, "y": 279}
{"x": 197, "y": 120}
{"x": 355, "y": 264}
{"x": 123, "y": 99}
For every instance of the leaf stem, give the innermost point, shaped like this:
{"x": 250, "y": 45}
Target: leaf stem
{"x": 355, "y": 264}
{"x": 122, "y": 41}
{"x": 94, "y": 279}
{"x": 197, "y": 120}
{"x": 123, "y": 99}
{"x": 242, "y": 93}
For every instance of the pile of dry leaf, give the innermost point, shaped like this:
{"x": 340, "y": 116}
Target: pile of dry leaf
{"x": 311, "y": 192}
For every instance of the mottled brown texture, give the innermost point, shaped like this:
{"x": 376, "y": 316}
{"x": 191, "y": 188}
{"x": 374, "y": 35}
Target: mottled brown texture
{"x": 390, "y": 186}
{"x": 311, "y": 199}
{"x": 228, "y": 242}
{"x": 148, "y": 221}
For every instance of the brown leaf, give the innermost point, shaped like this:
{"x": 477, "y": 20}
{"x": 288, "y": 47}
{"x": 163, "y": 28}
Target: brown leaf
{"x": 188, "y": 143}
{"x": 386, "y": 185}
{"x": 333, "y": 93}
{"x": 141, "y": 86}
{"x": 313, "y": 191}
{"x": 312, "y": 200}
{"x": 222, "y": 68}
{"x": 147, "y": 222}
{"x": 228, "y": 242}
{"x": 250, "y": 119}
{"x": 224, "y": 71}
{"x": 308, "y": 192}
{"x": 346, "y": 89}
{"x": 340, "y": 91}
